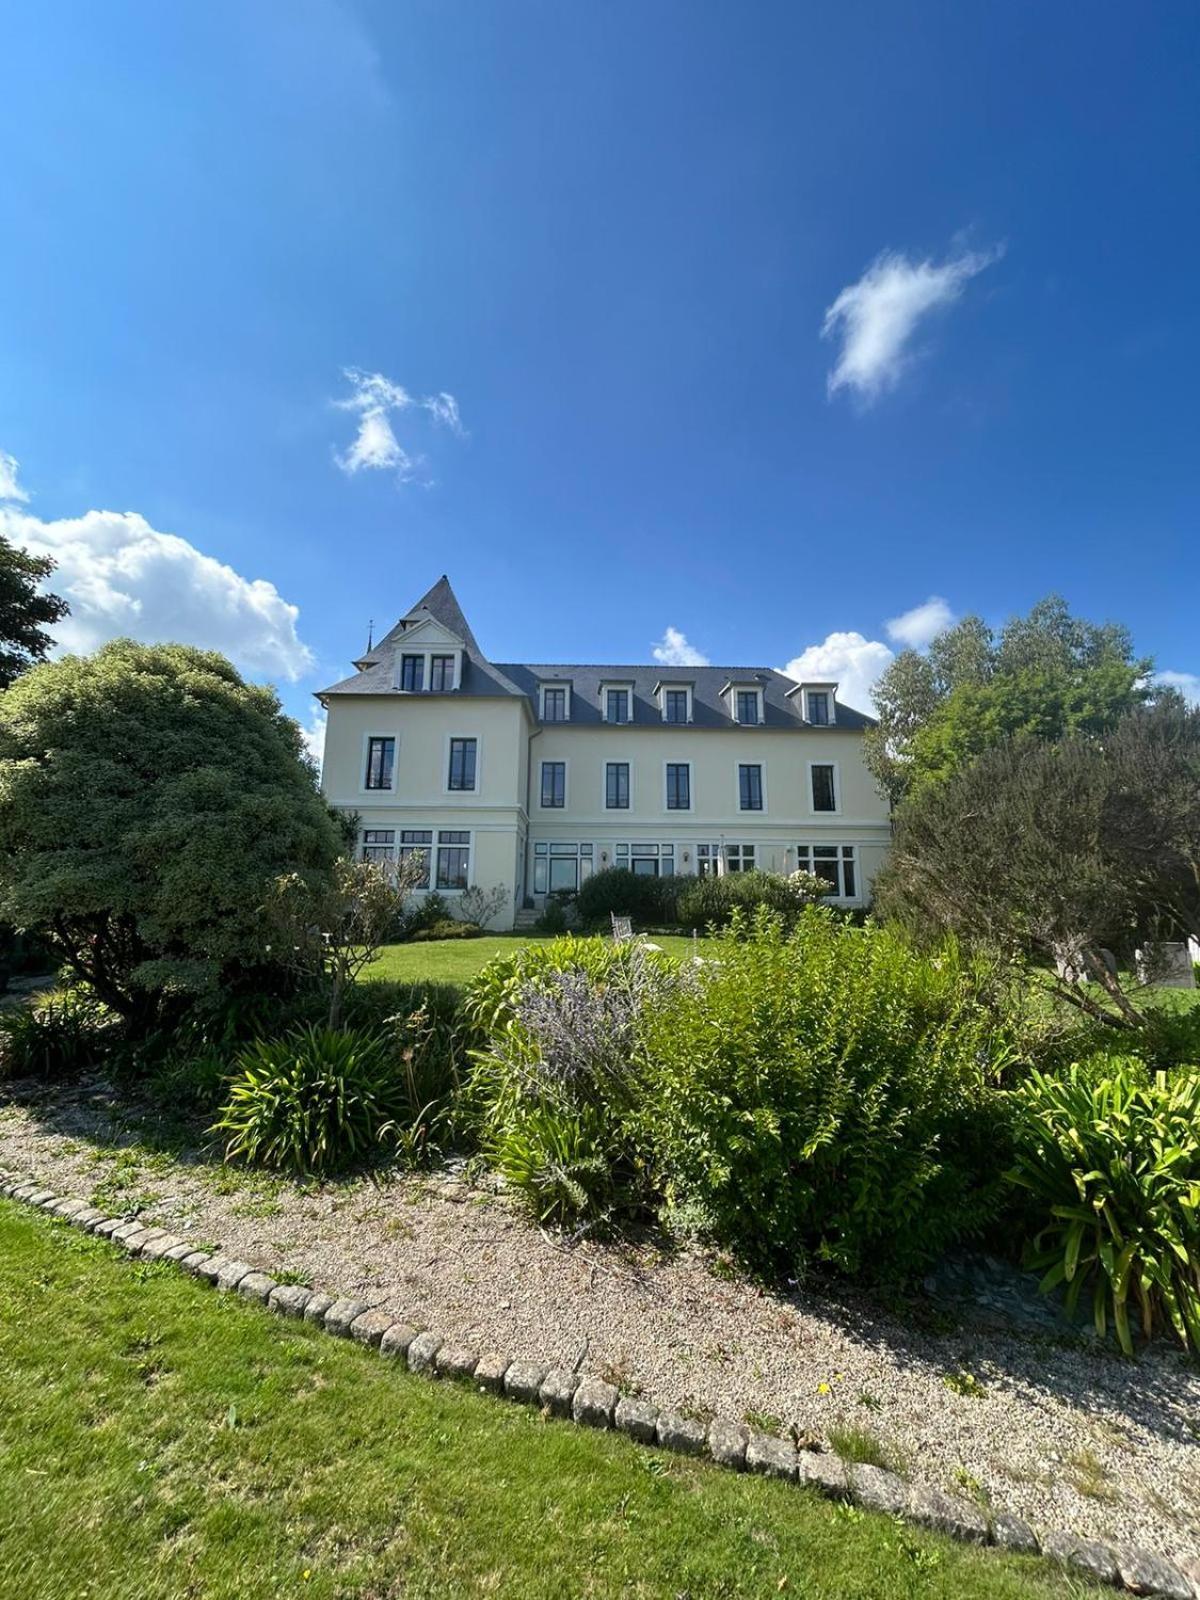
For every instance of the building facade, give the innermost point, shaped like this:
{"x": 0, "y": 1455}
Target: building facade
{"x": 533, "y": 777}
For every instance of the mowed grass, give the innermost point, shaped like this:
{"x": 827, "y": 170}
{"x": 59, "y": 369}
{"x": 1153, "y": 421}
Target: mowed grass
{"x": 158, "y": 1440}
{"x": 457, "y": 960}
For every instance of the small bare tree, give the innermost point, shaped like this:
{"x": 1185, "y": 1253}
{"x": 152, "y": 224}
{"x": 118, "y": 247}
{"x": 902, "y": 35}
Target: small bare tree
{"x": 330, "y": 934}
{"x": 481, "y": 905}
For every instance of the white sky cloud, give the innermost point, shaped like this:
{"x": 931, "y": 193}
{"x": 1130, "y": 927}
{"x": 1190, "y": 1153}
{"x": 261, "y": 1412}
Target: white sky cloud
{"x": 375, "y": 399}
{"x": 314, "y": 734}
{"x": 919, "y": 627}
{"x": 125, "y": 579}
{"x": 876, "y": 317}
{"x": 851, "y": 661}
{"x": 673, "y": 650}
{"x": 1188, "y": 684}
{"x": 10, "y": 489}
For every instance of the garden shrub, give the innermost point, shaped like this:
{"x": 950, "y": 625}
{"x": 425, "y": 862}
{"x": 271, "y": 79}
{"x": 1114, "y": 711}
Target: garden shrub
{"x": 825, "y": 1096}
{"x": 711, "y": 901}
{"x": 619, "y": 892}
{"x": 446, "y": 930}
{"x": 1111, "y": 1159}
{"x": 56, "y": 1036}
{"x": 559, "y": 1159}
{"x": 315, "y": 1101}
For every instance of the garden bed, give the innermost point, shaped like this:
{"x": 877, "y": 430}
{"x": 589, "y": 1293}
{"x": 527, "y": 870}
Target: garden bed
{"x": 1045, "y": 1424}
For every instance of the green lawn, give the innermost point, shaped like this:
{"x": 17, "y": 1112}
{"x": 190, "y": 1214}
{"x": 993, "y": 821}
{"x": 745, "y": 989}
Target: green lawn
{"x": 456, "y": 960}
{"x": 159, "y": 1441}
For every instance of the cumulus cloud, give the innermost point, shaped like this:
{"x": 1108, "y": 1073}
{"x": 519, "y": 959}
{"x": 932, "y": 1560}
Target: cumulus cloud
{"x": 876, "y": 317}
{"x": 919, "y": 627}
{"x": 673, "y": 650}
{"x": 125, "y": 579}
{"x": 314, "y": 735}
{"x": 375, "y": 399}
{"x": 1188, "y": 684}
{"x": 10, "y": 489}
{"x": 851, "y": 661}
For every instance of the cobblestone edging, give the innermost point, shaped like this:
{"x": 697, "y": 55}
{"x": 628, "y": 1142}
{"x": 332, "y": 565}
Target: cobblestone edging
{"x": 591, "y": 1402}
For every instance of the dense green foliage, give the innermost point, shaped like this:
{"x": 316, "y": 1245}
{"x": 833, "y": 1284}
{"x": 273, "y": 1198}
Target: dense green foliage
{"x": 1111, "y": 1159}
{"x": 56, "y": 1036}
{"x": 826, "y": 1096}
{"x": 711, "y": 902}
{"x": 27, "y": 610}
{"x": 148, "y": 798}
{"x": 650, "y": 901}
{"x": 256, "y": 1457}
{"x": 1047, "y": 676}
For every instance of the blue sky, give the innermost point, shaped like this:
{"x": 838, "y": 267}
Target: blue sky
{"x": 768, "y": 324}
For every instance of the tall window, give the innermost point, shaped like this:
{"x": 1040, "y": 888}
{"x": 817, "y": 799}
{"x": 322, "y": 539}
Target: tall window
{"x": 616, "y": 786}
{"x": 750, "y": 791}
{"x": 818, "y": 707}
{"x": 560, "y": 867}
{"x": 554, "y": 705}
{"x": 617, "y": 705}
{"x": 453, "y": 858}
{"x": 417, "y": 841}
{"x": 679, "y": 786}
{"x": 377, "y": 844}
{"x": 675, "y": 705}
{"x": 462, "y": 764}
{"x": 554, "y": 785}
{"x": 412, "y": 672}
{"x": 441, "y": 672}
{"x": 747, "y": 705}
{"x": 833, "y": 862}
{"x": 824, "y": 790}
{"x": 381, "y": 763}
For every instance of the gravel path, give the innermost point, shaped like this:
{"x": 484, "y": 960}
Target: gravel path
{"x": 1064, "y": 1434}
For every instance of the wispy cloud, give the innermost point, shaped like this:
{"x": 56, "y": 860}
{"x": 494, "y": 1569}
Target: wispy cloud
{"x": 876, "y": 317}
{"x": 376, "y": 399}
{"x": 10, "y": 489}
{"x": 920, "y": 627}
{"x": 850, "y": 660}
{"x": 1188, "y": 684}
{"x": 673, "y": 650}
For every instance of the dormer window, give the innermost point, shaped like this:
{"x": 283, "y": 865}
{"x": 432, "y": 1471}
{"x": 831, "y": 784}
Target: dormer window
{"x": 748, "y": 706}
{"x": 617, "y": 705}
{"x": 556, "y": 702}
{"x": 441, "y": 673}
{"x": 412, "y": 673}
{"x": 675, "y": 701}
{"x": 816, "y": 703}
{"x": 817, "y": 707}
{"x": 436, "y": 671}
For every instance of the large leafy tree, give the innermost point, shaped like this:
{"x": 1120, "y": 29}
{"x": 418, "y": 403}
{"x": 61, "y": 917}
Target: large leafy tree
{"x": 26, "y": 610}
{"x": 1046, "y": 676}
{"x": 149, "y": 798}
{"x": 1060, "y": 851}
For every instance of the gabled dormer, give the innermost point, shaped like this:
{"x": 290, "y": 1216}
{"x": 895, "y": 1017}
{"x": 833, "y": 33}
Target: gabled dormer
{"x": 675, "y": 698}
{"x": 616, "y": 699}
{"x": 554, "y": 699}
{"x": 744, "y": 700}
{"x": 816, "y": 702}
{"x": 427, "y": 658}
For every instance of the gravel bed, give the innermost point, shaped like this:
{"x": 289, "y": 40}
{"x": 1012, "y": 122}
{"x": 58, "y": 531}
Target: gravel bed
{"x": 1056, "y": 1429}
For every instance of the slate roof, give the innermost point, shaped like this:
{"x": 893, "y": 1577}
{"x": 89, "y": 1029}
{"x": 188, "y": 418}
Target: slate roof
{"x": 481, "y": 677}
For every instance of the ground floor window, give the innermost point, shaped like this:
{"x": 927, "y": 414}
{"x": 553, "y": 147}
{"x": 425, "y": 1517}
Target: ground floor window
{"x": 378, "y": 844}
{"x": 453, "y": 858}
{"x": 646, "y": 860}
{"x": 417, "y": 841}
{"x": 561, "y": 868}
{"x": 833, "y": 862}
{"x": 738, "y": 858}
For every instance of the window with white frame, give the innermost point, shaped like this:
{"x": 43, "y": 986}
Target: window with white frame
{"x": 453, "y": 858}
{"x": 616, "y": 705}
{"x": 818, "y": 707}
{"x": 381, "y": 763}
{"x": 378, "y": 844}
{"x": 750, "y": 786}
{"x": 554, "y": 785}
{"x": 738, "y": 858}
{"x": 646, "y": 860}
{"x": 441, "y": 673}
{"x": 561, "y": 868}
{"x": 679, "y": 786}
{"x": 463, "y": 753}
{"x": 417, "y": 841}
{"x": 833, "y": 862}
{"x": 554, "y": 703}
{"x": 677, "y": 705}
{"x": 824, "y": 786}
{"x": 748, "y": 706}
{"x": 412, "y": 673}
{"x": 616, "y": 786}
